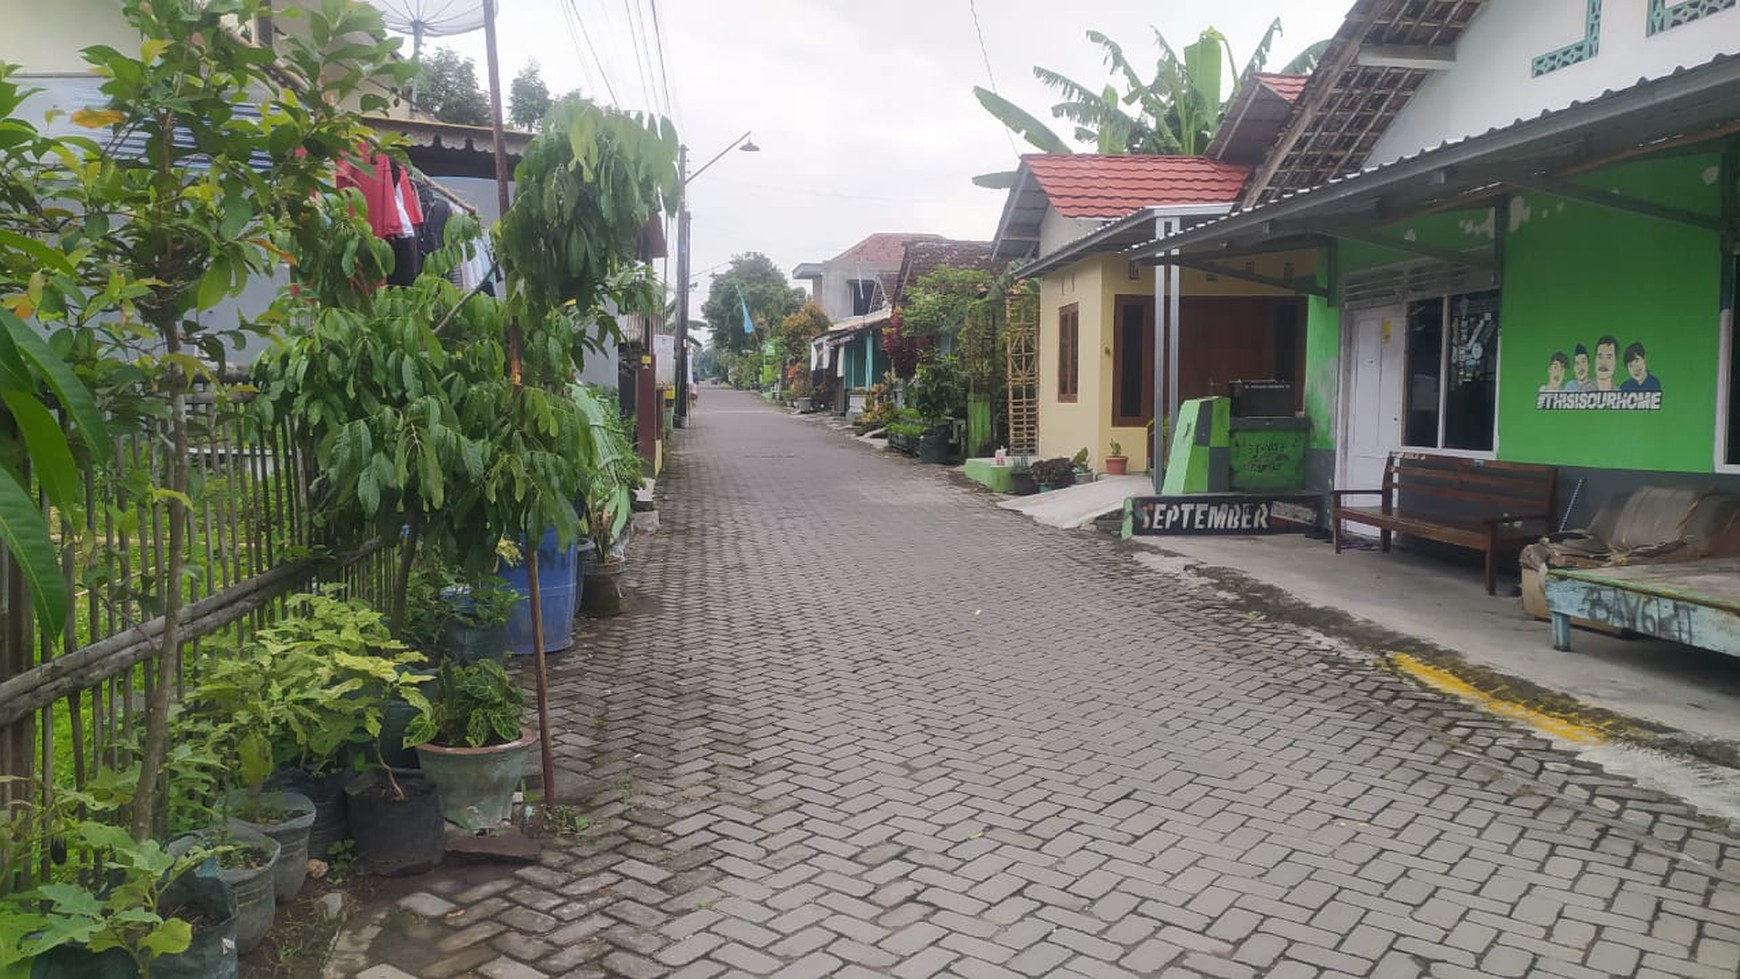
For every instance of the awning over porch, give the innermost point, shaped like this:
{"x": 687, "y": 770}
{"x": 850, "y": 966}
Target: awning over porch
{"x": 1693, "y": 106}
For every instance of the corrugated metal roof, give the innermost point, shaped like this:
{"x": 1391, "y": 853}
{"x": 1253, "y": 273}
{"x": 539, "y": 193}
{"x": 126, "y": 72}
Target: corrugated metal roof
{"x": 1700, "y": 103}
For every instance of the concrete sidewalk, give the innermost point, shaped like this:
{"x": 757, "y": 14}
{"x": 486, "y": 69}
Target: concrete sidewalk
{"x": 1688, "y": 690}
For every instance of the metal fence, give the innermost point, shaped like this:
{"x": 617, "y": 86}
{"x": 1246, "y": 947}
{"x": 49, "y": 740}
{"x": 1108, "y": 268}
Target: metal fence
{"x": 252, "y": 541}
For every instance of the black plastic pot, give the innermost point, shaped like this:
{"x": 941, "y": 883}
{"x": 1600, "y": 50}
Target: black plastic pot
{"x": 212, "y": 954}
{"x": 396, "y": 836}
{"x": 601, "y": 588}
{"x": 78, "y": 962}
{"x": 932, "y": 449}
{"x": 396, "y": 718}
{"x": 1022, "y": 484}
{"x": 327, "y": 793}
{"x": 463, "y": 641}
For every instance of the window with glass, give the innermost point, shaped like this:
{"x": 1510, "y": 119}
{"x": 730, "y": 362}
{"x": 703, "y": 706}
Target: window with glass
{"x": 1068, "y": 352}
{"x": 1452, "y": 365}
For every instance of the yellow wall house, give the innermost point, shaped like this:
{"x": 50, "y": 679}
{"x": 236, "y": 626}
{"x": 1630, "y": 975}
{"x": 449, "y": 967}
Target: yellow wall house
{"x": 1100, "y": 355}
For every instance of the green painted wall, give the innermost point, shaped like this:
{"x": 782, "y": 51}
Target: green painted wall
{"x": 1322, "y": 369}
{"x": 1575, "y": 273}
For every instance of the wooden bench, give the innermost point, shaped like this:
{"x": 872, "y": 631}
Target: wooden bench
{"x": 1488, "y": 506}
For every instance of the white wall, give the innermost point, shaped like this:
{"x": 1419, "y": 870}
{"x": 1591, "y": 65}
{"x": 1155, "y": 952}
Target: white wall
{"x": 1492, "y": 84}
{"x": 1055, "y": 231}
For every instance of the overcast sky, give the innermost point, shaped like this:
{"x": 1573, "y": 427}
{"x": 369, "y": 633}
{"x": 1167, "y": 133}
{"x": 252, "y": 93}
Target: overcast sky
{"x": 863, "y": 109}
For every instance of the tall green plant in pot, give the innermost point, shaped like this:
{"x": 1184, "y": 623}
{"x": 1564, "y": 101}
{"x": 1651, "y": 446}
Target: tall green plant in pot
{"x": 607, "y": 502}
{"x": 476, "y": 747}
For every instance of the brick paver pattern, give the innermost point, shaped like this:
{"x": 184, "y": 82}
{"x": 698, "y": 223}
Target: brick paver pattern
{"x": 861, "y": 722}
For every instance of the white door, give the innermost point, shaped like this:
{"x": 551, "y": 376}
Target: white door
{"x": 1374, "y": 403}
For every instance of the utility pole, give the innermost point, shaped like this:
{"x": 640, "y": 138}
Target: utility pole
{"x": 682, "y": 365}
{"x": 747, "y": 145}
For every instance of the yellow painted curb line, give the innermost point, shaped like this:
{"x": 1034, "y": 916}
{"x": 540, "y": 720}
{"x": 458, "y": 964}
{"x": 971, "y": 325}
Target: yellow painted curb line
{"x": 1446, "y": 682}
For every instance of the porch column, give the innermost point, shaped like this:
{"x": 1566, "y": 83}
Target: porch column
{"x": 1166, "y": 289}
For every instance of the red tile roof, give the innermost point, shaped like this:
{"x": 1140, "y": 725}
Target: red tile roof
{"x": 883, "y": 248}
{"x": 1286, "y": 86}
{"x": 1082, "y": 185}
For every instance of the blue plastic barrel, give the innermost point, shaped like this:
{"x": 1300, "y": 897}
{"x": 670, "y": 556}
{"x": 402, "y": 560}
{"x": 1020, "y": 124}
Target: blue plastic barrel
{"x": 559, "y": 594}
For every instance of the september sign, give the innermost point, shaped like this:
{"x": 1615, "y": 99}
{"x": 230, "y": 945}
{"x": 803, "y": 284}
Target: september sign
{"x": 1220, "y": 513}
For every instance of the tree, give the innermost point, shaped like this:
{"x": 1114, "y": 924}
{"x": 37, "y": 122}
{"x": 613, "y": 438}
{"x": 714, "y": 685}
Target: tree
{"x": 1175, "y": 112}
{"x": 799, "y": 328}
{"x": 752, "y": 280}
{"x": 936, "y": 306}
{"x": 193, "y": 218}
{"x": 528, "y": 98}
{"x": 447, "y": 89}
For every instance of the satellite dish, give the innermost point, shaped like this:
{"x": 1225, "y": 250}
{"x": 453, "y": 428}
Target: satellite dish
{"x": 430, "y": 18}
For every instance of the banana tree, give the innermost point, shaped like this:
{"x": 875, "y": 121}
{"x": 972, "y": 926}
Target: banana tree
{"x": 1176, "y": 110}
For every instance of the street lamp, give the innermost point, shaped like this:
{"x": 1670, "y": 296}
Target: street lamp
{"x": 746, "y": 145}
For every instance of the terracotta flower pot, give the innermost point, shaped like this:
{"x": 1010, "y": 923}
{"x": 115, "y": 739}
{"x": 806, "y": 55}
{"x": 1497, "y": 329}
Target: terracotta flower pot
{"x": 1117, "y": 465}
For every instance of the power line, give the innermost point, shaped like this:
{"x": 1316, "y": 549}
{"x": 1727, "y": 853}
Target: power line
{"x": 570, "y": 17}
{"x": 655, "y": 66}
{"x": 637, "y": 42}
{"x": 659, "y": 35}
{"x": 586, "y": 35}
{"x": 972, "y": 8}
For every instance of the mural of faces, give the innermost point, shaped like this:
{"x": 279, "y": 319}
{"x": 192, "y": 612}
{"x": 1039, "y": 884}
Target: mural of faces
{"x": 1574, "y": 373}
{"x": 1556, "y": 372}
{"x": 1606, "y": 362}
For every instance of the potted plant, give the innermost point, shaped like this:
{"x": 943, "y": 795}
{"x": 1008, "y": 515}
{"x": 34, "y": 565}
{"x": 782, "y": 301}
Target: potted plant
{"x": 1053, "y": 474}
{"x": 472, "y": 745}
{"x": 457, "y": 618}
{"x": 396, "y": 820}
{"x": 305, "y": 694}
{"x": 606, "y": 506}
{"x": 1117, "y": 463}
{"x": 1021, "y": 482}
{"x": 905, "y": 431}
{"x": 100, "y": 903}
{"x": 938, "y": 393}
{"x": 113, "y": 906}
{"x": 1079, "y": 462}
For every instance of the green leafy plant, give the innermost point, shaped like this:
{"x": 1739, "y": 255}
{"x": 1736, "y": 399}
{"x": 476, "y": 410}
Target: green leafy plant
{"x": 1053, "y": 472}
{"x": 938, "y": 389}
{"x": 607, "y": 490}
{"x": 1080, "y": 459}
{"x": 189, "y": 221}
{"x": 475, "y": 705}
{"x": 1117, "y": 450}
{"x": 100, "y": 889}
{"x": 301, "y": 692}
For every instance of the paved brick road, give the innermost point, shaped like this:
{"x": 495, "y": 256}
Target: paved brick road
{"x": 864, "y": 723}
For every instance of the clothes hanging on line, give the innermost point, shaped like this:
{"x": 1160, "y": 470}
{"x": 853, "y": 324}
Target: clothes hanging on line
{"x": 394, "y": 212}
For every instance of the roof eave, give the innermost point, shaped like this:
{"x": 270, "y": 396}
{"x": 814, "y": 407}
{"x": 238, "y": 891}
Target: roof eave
{"x": 1457, "y": 167}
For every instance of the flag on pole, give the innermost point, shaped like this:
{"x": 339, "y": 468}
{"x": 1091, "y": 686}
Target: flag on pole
{"x": 748, "y": 327}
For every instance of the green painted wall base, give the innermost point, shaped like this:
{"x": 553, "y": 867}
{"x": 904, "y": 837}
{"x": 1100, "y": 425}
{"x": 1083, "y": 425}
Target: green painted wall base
{"x": 1201, "y": 429}
{"x": 986, "y": 472}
